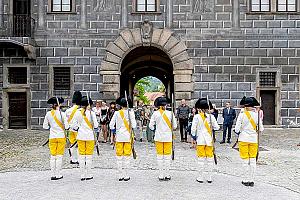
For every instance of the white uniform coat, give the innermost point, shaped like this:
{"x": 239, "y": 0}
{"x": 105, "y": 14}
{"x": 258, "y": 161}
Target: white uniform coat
{"x": 116, "y": 122}
{"x": 243, "y": 125}
{"x": 69, "y": 112}
{"x": 162, "y": 130}
{"x": 84, "y": 131}
{"x": 199, "y": 130}
{"x": 55, "y": 130}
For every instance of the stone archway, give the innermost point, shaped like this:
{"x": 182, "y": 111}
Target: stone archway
{"x": 163, "y": 39}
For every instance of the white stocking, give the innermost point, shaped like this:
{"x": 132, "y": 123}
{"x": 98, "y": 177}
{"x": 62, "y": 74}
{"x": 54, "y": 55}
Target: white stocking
{"x": 53, "y": 165}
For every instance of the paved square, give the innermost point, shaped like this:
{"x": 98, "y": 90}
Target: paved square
{"x": 25, "y": 172}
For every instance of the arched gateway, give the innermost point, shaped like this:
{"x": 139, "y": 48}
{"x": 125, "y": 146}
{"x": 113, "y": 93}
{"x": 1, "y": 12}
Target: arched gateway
{"x": 144, "y": 51}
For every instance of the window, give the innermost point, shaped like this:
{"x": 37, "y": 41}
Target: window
{"x": 17, "y": 75}
{"x": 267, "y": 79}
{"x": 286, "y": 5}
{"x": 62, "y": 81}
{"x": 260, "y": 6}
{"x": 146, "y": 5}
{"x": 61, "y": 6}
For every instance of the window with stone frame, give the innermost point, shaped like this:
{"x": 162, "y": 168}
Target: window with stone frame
{"x": 286, "y": 5}
{"x": 61, "y": 81}
{"x": 17, "y": 75}
{"x": 145, "y": 5}
{"x": 61, "y": 5}
{"x": 260, "y": 5}
{"x": 267, "y": 78}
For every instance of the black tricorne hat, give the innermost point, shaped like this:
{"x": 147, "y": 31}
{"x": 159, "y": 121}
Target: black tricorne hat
{"x": 85, "y": 101}
{"x": 202, "y": 104}
{"x": 160, "y": 101}
{"x": 77, "y": 97}
{"x": 53, "y": 100}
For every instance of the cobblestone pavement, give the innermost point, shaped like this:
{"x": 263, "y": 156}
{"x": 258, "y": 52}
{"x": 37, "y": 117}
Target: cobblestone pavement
{"x": 278, "y": 172}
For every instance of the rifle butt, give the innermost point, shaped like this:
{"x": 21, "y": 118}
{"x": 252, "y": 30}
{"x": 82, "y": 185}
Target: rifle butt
{"x": 97, "y": 148}
{"x": 45, "y": 143}
{"x": 70, "y": 153}
{"x": 134, "y": 153}
{"x": 215, "y": 159}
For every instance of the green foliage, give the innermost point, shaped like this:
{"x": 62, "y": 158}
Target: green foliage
{"x": 148, "y": 84}
{"x": 140, "y": 87}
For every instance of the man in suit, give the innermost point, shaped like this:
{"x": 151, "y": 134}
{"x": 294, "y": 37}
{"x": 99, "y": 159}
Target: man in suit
{"x": 228, "y": 115}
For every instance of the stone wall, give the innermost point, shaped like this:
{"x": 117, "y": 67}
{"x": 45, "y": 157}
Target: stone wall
{"x": 226, "y": 48}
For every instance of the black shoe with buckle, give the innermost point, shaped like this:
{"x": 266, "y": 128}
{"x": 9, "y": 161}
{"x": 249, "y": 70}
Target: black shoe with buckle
{"x": 90, "y": 178}
{"x": 127, "y": 179}
{"x": 209, "y": 181}
{"x": 121, "y": 179}
{"x": 222, "y": 142}
{"x": 57, "y": 178}
{"x": 167, "y": 178}
{"x": 74, "y": 163}
{"x": 161, "y": 179}
{"x": 251, "y": 184}
{"x": 245, "y": 183}
{"x": 53, "y": 178}
{"x": 82, "y": 179}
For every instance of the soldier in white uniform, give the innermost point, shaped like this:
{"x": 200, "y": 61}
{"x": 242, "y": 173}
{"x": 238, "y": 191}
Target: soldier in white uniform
{"x": 70, "y": 113}
{"x": 201, "y": 131}
{"x": 123, "y": 121}
{"x": 57, "y": 122}
{"x": 248, "y": 125}
{"x": 84, "y": 122}
{"x": 162, "y": 122}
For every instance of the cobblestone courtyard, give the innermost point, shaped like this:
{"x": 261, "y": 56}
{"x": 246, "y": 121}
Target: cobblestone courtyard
{"x": 25, "y": 171}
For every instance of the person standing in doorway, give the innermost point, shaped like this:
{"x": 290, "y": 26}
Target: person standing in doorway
{"x": 183, "y": 115}
{"x": 229, "y": 115}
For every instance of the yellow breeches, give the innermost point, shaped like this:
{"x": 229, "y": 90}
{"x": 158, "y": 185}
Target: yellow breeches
{"x": 204, "y": 151}
{"x": 123, "y": 148}
{"x": 72, "y": 137}
{"x": 86, "y": 147}
{"x": 248, "y": 150}
{"x": 163, "y": 148}
{"x": 57, "y": 146}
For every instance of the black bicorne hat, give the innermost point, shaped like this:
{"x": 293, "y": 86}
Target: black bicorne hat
{"x": 251, "y": 102}
{"x": 112, "y": 103}
{"x": 77, "y": 97}
{"x": 160, "y": 101}
{"x": 53, "y": 100}
{"x": 242, "y": 102}
{"x": 123, "y": 103}
{"x": 255, "y": 102}
{"x": 202, "y": 104}
{"x": 86, "y": 102}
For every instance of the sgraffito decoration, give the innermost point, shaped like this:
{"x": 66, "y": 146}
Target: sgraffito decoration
{"x": 203, "y": 6}
{"x": 104, "y": 5}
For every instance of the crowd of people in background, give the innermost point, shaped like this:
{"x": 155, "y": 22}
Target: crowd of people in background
{"x": 184, "y": 114}
{"x": 122, "y": 125}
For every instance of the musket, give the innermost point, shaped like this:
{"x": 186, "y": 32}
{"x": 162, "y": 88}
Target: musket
{"x": 45, "y": 143}
{"x": 96, "y": 139}
{"x": 257, "y": 130}
{"x": 65, "y": 131}
{"x": 172, "y": 109}
{"x": 131, "y": 130}
{"x": 211, "y": 128}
